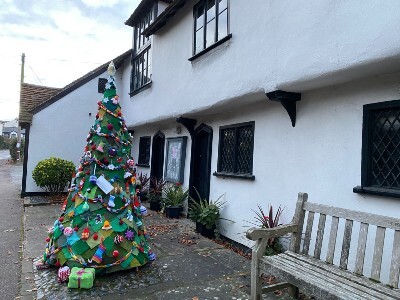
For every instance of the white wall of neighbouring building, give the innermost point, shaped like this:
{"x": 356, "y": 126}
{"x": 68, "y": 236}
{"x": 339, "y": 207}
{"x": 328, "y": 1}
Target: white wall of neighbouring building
{"x": 60, "y": 129}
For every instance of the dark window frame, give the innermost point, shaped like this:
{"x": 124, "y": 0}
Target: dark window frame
{"x": 101, "y": 85}
{"x": 141, "y": 41}
{"x": 366, "y": 159}
{"x": 142, "y": 85}
{"x": 235, "y": 173}
{"x": 141, "y": 47}
{"x": 217, "y": 39}
{"x": 144, "y": 158}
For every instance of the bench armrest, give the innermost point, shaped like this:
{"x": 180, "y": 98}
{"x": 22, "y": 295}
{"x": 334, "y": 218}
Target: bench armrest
{"x": 267, "y": 233}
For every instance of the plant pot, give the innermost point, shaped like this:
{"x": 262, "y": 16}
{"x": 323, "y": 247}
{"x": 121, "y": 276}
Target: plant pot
{"x": 143, "y": 196}
{"x": 155, "y": 205}
{"x": 199, "y": 226}
{"x": 204, "y": 231}
{"x": 173, "y": 212}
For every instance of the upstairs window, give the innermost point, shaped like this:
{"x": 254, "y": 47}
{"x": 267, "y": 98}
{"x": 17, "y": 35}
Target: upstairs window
{"x": 210, "y": 23}
{"x": 141, "y": 56}
{"x": 141, "y": 41}
{"x": 380, "y": 166}
{"x": 141, "y": 70}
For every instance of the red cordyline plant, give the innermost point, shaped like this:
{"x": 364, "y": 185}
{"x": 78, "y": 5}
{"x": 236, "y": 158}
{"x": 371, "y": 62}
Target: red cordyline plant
{"x": 269, "y": 221}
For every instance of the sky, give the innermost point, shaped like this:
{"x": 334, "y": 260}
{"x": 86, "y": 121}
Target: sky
{"x": 62, "y": 40}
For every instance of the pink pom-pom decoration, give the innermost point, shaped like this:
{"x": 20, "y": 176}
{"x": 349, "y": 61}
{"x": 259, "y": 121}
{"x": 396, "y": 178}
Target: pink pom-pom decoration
{"x": 63, "y": 274}
{"x": 68, "y": 231}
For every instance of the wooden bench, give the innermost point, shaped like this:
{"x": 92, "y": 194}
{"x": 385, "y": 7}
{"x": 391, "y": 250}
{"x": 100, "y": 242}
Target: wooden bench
{"x": 322, "y": 278}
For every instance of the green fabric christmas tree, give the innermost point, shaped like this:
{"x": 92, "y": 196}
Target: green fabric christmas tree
{"x": 101, "y": 226}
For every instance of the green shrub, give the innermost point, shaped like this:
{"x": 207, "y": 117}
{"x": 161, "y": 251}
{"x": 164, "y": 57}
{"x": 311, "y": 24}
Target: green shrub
{"x": 53, "y": 174}
{"x": 3, "y": 144}
{"x": 13, "y": 148}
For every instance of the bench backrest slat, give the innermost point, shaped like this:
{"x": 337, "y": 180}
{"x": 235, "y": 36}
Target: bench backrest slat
{"x": 362, "y": 242}
{"x": 378, "y": 251}
{"x": 298, "y": 218}
{"x": 320, "y": 236}
{"x": 344, "y": 257}
{"x": 372, "y": 219}
{"x": 395, "y": 264}
{"x": 307, "y": 235}
{"x": 332, "y": 240}
{"x": 366, "y": 220}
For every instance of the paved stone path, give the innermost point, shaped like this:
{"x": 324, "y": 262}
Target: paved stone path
{"x": 205, "y": 269}
{"x": 10, "y": 230}
{"x": 4, "y": 154}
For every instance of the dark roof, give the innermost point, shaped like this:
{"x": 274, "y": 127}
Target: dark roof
{"x": 162, "y": 19}
{"x": 32, "y": 96}
{"x": 82, "y": 80}
{"x": 143, "y": 7}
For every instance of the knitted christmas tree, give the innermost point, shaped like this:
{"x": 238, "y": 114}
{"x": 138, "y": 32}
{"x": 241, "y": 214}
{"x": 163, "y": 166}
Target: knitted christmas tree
{"x": 101, "y": 226}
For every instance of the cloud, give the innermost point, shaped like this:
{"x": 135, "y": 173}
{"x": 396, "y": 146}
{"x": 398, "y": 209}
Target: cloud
{"x": 96, "y": 3}
{"x": 62, "y": 40}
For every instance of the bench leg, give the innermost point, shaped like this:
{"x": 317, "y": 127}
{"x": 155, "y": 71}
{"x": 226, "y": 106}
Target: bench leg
{"x": 256, "y": 286}
{"x": 294, "y": 292}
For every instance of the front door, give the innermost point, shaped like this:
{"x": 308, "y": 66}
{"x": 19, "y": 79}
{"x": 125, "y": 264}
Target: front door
{"x": 200, "y": 166}
{"x": 157, "y": 155}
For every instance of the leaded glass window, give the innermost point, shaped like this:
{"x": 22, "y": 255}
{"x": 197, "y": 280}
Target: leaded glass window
{"x": 236, "y": 149}
{"x": 381, "y": 145}
{"x": 144, "y": 150}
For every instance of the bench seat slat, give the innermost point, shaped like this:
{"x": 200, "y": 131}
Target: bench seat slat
{"x": 344, "y": 257}
{"x": 332, "y": 240}
{"x": 360, "y": 280}
{"x": 378, "y": 251}
{"x": 325, "y": 275}
{"x": 362, "y": 241}
{"x": 308, "y": 282}
{"x": 307, "y": 235}
{"x": 395, "y": 264}
{"x": 372, "y": 219}
{"x": 320, "y": 282}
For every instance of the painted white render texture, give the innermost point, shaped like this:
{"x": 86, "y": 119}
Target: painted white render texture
{"x": 60, "y": 130}
{"x": 290, "y": 45}
{"x": 320, "y": 156}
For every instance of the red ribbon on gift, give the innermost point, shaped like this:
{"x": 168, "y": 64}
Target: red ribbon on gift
{"x": 80, "y": 273}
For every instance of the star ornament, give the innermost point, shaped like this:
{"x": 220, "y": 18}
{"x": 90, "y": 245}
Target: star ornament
{"x": 105, "y": 100}
{"x": 129, "y": 235}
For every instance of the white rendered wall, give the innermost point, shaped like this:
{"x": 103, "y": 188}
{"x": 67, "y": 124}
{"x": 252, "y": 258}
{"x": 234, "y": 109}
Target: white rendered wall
{"x": 320, "y": 156}
{"x": 169, "y": 130}
{"x": 60, "y": 130}
{"x": 295, "y": 46}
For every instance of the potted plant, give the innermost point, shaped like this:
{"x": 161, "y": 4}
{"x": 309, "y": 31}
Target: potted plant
{"x": 269, "y": 221}
{"x": 144, "y": 181}
{"x": 173, "y": 198}
{"x": 155, "y": 193}
{"x": 206, "y": 214}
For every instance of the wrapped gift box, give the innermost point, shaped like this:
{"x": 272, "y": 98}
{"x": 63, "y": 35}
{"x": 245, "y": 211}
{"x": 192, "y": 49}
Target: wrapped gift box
{"x": 81, "y": 278}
